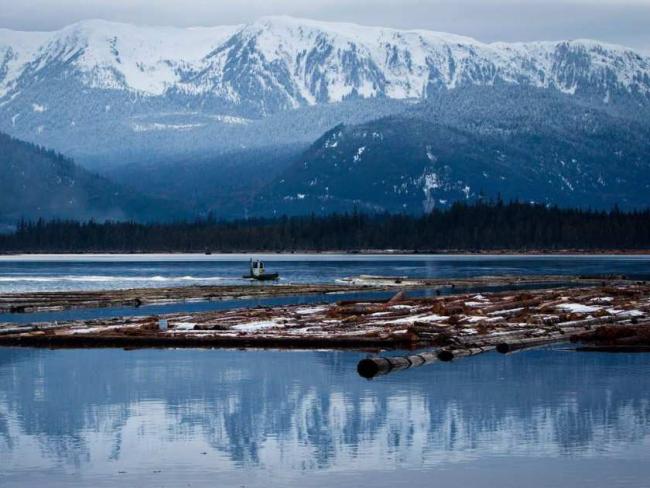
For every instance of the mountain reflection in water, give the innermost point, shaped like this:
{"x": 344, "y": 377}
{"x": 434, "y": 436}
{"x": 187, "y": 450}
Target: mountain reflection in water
{"x": 271, "y": 418}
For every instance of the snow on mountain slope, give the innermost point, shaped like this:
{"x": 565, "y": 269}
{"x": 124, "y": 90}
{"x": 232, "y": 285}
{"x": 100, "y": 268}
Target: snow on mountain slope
{"x": 314, "y": 62}
{"x": 16, "y": 50}
{"x": 292, "y": 62}
{"x": 111, "y": 55}
{"x": 147, "y": 60}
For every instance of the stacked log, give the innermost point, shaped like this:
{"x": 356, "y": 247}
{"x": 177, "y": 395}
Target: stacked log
{"x": 463, "y": 325}
{"x": 632, "y": 337}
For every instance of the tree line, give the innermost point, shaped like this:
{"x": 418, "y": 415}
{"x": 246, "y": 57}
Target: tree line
{"x": 463, "y": 227}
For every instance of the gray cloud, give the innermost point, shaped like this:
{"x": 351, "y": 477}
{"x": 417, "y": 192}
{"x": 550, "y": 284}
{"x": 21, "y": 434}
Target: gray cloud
{"x": 617, "y": 21}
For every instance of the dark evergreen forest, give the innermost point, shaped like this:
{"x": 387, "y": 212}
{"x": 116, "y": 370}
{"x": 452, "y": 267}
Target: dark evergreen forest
{"x": 464, "y": 227}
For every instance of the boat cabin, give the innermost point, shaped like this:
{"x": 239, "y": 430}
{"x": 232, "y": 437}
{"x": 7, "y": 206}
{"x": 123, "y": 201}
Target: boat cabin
{"x": 257, "y": 272}
{"x": 257, "y": 268}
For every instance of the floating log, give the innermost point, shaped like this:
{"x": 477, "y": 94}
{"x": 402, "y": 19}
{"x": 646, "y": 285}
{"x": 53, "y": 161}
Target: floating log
{"x": 16, "y": 330}
{"x": 447, "y": 355}
{"x": 505, "y": 307}
{"x": 195, "y": 341}
{"x": 551, "y": 305}
{"x": 5, "y": 331}
{"x": 607, "y": 319}
{"x": 516, "y": 345}
{"x": 632, "y": 337}
{"x": 376, "y": 366}
{"x": 46, "y": 301}
{"x": 635, "y": 340}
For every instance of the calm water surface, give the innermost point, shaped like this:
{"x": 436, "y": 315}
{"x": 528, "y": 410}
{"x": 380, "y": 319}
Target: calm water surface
{"x": 544, "y": 418}
{"x": 87, "y": 272}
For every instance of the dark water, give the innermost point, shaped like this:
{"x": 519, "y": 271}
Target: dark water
{"x": 50, "y": 273}
{"x": 547, "y": 418}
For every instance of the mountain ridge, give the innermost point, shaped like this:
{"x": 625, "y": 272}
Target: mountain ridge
{"x": 390, "y": 62}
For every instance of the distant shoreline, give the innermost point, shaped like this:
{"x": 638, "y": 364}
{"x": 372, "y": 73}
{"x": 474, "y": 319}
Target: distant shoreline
{"x": 364, "y": 252}
{"x": 479, "y": 228}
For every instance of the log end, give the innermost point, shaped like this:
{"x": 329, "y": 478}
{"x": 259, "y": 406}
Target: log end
{"x": 368, "y": 368}
{"x": 445, "y": 355}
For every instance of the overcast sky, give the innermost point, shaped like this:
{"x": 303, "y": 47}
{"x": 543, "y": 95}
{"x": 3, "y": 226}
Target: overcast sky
{"x": 620, "y": 21}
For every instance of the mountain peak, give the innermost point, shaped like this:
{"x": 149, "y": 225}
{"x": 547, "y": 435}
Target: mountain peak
{"x": 352, "y": 31}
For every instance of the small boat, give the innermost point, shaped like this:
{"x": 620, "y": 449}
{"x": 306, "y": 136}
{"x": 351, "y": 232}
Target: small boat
{"x": 257, "y": 272}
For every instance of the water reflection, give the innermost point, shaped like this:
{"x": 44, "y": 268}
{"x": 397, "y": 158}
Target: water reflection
{"x": 76, "y": 415}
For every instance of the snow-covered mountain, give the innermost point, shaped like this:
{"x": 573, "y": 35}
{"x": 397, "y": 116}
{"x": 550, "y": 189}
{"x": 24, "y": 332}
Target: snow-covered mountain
{"x": 280, "y": 63}
{"x": 106, "y": 55}
{"x": 107, "y": 93}
{"x": 305, "y": 62}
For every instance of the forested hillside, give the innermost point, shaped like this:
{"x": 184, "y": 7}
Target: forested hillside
{"x": 475, "y": 143}
{"x": 36, "y": 182}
